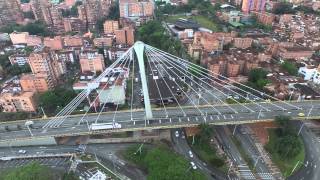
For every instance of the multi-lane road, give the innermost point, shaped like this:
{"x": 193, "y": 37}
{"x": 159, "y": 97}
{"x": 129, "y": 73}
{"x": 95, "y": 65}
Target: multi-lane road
{"x": 177, "y": 117}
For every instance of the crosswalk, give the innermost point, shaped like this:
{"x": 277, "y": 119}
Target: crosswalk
{"x": 245, "y": 172}
{"x": 265, "y": 176}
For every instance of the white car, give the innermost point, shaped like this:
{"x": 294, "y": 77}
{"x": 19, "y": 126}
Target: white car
{"x": 190, "y": 154}
{"x": 21, "y": 151}
{"x": 193, "y": 165}
{"x": 177, "y": 133}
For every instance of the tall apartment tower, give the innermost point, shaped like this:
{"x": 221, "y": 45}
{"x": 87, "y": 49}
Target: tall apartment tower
{"x": 91, "y": 10}
{"x": 136, "y": 8}
{"x": 46, "y": 62}
{"x": 253, "y": 5}
{"x": 44, "y": 11}
{"x": 10, "y": 12}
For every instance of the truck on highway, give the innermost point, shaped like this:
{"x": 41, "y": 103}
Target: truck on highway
{"x": 104, "y": 126}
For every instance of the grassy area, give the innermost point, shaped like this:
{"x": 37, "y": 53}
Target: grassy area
{"x": 161, "y": 163}
{"x": 285, "y": 165}
{"x": 202, "y": 20}
{"x": 208, "y": 153}
{"x": 243, "y": 153}
{"x": 234, "y": 101}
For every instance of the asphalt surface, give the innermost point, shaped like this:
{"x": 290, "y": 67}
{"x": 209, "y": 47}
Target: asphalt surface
{"x": 232, "y": 151}
{"x": 246, "y": 141}
{"x": 310, "y": 169}
{"x": 69, "y": 125}
{"x": 181, "y": 146}
{"x": 106, "y": 153}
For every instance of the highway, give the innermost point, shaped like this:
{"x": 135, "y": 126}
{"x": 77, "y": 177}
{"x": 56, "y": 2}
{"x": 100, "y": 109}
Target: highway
{"x": 106, "y": 153}
{"x": 177, "y": 118}
{"x": 232, "y": 151}
{"x": 250, "y": 149}
{"x": 181, "y": 146}
{"x": 310, "y": 169}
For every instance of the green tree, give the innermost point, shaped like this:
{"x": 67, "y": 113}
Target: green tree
{"x": 290, "y": 68}
{"x": 32, "y": 171}
{"x": 257, "y": 78}
{"x": 288, "y": 146}
{"x": 284, "y": 8}
{"x": 69, "y": 176}
{"x": 205, "y": 133}
{"x": 54, "y": 100}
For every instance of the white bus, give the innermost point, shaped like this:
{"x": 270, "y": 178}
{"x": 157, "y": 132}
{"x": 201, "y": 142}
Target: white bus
{"x": 101, "y": 126}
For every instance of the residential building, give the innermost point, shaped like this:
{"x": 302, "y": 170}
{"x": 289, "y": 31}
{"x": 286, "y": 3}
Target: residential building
{"x": 46, "y": 62}
{"x": 18, "y": 101}
{"x": 265, "y": 18}
{"x": 53, "y": 43}
{"x": 136, "y": 8}
{"x": 91, "y": 61}
{"x": 10, "y": 12}
{"x": 296, "y": 52}
{"x": 39, "y": 82}
{"x": 308, "y": 72}
{"x": 91, "y": 10}
{"x": 74, "y": 25}
{"x": 33, "y": 40}
{"x": 242, "y": 43}
{"x": 125, "y": 36}
{"x": 253, "y": 5}
{"x": 102, "y": 42}
{"x": 19, "y": 59}
{"x": 73, "y": 41}
{"x": 19, "y": 37}
{"x": 110, "y": 26}
{"x": 47, "y": 12}
{"x": 70, "y": 3}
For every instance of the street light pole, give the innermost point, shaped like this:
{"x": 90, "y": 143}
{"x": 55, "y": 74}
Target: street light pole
{"x": 234, "y": 129}
{"x": 255, "y": 164}
{"x": 305, "y": 119}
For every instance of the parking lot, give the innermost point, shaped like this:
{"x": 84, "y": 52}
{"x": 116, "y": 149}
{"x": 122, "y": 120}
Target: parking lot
{"x": 54, "y": 162}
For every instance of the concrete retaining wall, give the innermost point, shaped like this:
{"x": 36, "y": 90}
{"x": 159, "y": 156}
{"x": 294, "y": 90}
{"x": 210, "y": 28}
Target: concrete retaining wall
{"x": 35, "y": 141}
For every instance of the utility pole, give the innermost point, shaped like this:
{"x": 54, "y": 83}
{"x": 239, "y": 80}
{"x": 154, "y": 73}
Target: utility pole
{"x": 44, "y": 114}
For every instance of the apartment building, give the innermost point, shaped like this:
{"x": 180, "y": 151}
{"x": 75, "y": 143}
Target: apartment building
{"x": 110, "y": 27}
{"x": 136, "y": 8}
{"x": 10, "y": 12}
{"x": 18, "y": 101}
{"x": 125, "y": 36}
{"x": 53, "y": 43}
{"x": 19, "y": 59}
{"x": 91, "y": 61}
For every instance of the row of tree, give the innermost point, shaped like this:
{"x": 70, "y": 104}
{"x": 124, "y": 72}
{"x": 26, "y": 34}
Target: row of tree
{"x": 36, "y": 28}
{"x": 287, "y": 144}
{"x": 162, "y": 164}
{"x": 154, "y": 34}
{"x": 35, "y": 171}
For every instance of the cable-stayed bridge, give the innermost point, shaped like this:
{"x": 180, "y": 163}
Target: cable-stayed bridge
{"x": 147, "y": 88}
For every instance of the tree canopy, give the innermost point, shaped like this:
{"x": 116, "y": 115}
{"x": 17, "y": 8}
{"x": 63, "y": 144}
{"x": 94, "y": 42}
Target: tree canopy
{"x": 162, "y": 164}
{"x": 290, "y": 68}
{"x": 52, "y": 101}
{"x": 153, "y": 34}
{"x": 36, "y": 28}
{"x": 287, "y": 144}
{"x": 257, "y": 78}
{"x": 32, "y": 171}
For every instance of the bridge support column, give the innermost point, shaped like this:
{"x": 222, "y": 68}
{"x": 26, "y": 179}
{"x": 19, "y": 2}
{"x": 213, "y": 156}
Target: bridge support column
{"x": 139, "y": 49}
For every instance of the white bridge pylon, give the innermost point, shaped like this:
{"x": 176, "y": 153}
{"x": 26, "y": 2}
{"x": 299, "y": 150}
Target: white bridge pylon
{"x": 185, "y": 83}
{"x": 139, "y": 49}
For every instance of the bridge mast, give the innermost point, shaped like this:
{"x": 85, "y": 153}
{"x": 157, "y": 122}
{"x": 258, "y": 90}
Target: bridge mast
{"x": 139, "y": 49}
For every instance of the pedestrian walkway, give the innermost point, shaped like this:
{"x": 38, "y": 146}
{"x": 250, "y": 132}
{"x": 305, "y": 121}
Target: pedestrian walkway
{"x": 265, "y": 176}
{"x": 245, "y": 172}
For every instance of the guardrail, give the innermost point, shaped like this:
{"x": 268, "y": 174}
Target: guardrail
{"x": 9, "y": 158}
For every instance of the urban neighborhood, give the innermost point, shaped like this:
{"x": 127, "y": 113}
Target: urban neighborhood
{"x": 159, "y": 89}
